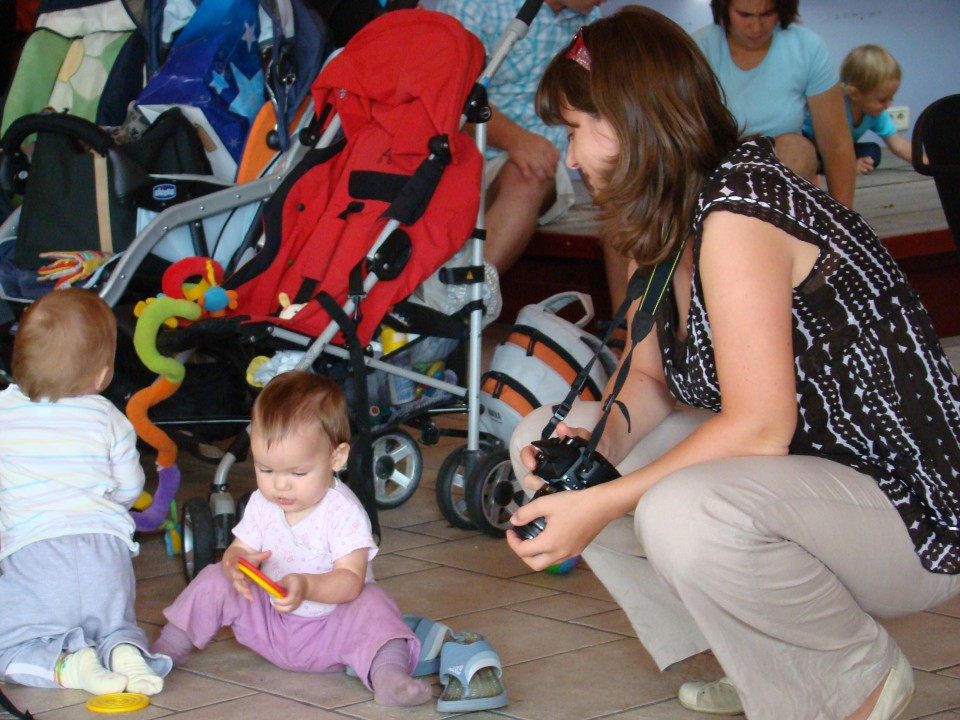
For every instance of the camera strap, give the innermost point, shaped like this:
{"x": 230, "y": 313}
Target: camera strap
{"x": 652, "y": 287}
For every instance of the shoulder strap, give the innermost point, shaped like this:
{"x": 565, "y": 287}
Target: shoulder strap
{"x": 652, "y": 287}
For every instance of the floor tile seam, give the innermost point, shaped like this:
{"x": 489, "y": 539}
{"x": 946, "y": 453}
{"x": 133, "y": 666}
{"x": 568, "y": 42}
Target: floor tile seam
{"x": 157, "y": 700}
{"x": 941, "y": 613}
{"x": 142, "y": 578}
{"x": 438, "y": 564}
{"x": 407, "y": 573}
{"x": 561, "y": 653}
{"x": 652, "y": 703}
{"x": 941, "y": 671}
{"x": 209, "y": 676}
{"x": 433, "y": 536}
{"x": 411, "y": 528}
{"x": 578, "y": 621}
{"x": 404, "y": 553}
{"x": 257, "y": 691}
{"x": 566, "y": 592}
{"x": 641, "y": 706}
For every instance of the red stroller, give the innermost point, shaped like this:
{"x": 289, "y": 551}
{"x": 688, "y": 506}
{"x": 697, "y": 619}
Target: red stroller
{"x": 351, "y": 231}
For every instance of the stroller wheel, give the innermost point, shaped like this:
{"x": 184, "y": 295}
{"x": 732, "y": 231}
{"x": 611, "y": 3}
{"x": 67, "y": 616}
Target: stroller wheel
{"x": 397, "y": 468}
{"x": 451, "y": 488}
{"x": 493, "y": 494}
{"x": 199, "y": 542}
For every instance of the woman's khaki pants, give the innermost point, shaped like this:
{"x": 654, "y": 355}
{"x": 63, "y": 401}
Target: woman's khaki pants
{"x": 780, "y": 565}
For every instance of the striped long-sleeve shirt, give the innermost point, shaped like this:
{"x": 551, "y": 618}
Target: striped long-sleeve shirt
{"x": 69, "y": 467}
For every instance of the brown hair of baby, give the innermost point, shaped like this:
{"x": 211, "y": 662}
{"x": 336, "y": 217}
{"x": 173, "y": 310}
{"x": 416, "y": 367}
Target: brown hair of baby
{"x": 64, "y": 342}
{"x": 297, "y": 399}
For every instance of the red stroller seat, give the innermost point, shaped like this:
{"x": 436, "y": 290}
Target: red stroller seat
{"x": 399, "y": 90}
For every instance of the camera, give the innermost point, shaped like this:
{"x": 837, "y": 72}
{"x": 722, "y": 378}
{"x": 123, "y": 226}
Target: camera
{"x": 565, "y": 464}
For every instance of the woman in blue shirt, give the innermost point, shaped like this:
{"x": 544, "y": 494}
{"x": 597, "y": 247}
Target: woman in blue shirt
{"x": 771, "y": 71}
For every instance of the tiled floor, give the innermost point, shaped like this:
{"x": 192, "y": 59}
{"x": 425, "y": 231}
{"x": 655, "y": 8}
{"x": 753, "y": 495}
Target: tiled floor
{"x": 568, "y": 651}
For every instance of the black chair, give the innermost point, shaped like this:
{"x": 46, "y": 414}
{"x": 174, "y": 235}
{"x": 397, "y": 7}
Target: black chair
{"x": 937, "y": 133}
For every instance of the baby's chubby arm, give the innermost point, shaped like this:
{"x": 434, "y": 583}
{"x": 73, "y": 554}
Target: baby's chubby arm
{"x": 125, "y": 465}
{"x": 340, "y": 585}
{"x": 901, "y": 147}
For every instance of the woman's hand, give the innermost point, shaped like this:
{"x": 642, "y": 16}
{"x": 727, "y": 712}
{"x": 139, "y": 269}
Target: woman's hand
{"x": 529, "y": 454}
{"x": 564, "y": 543}
{"x": 573, "y": 520}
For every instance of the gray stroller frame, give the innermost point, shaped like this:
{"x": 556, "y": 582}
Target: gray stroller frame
{"x": 482, "y": 465}
{"x": 206, "y": 524}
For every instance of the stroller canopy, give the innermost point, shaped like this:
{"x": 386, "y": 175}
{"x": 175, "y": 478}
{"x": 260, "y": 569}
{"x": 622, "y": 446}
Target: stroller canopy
{"x": 399, "y": 83}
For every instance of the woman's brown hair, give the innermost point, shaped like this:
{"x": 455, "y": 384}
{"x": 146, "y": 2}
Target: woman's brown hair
{"x": 297, "y": 399}
{"x": 651, "y": 82}
{"x": 64, "y": 341}
{"x": 787, "y": 12}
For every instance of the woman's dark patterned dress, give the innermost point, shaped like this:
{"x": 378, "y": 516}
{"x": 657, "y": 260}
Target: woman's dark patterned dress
{"x": 875, "y": 390}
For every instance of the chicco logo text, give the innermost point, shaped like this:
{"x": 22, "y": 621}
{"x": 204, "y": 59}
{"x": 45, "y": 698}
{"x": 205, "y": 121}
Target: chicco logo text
{"x": 164, "y": 191}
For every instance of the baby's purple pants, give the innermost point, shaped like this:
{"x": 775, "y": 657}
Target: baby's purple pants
{"x": 351, "y": 635}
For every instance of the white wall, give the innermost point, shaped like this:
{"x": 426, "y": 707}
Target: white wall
{"x": 924, "y": 36}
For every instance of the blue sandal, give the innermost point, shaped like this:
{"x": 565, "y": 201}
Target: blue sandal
{"x": 432, "y": 636}
{"x": 471, "y": 675}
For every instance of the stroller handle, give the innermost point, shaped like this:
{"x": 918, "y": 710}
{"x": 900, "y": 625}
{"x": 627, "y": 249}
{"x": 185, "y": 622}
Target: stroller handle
{"x": 529, "y": 11}
{"x": 515, "y": 31}
{"x": 70, "y": 125}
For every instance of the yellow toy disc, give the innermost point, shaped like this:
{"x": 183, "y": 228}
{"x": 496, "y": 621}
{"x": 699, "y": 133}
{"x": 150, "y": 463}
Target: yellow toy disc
{"x": 117, "y": 702}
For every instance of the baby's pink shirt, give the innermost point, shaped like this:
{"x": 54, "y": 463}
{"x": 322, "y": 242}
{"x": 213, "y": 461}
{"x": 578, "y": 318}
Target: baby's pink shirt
{"x": 336, "y": 527}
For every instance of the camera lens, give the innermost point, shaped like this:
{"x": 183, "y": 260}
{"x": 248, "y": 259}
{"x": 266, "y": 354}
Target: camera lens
{"x": 535, "y": 527}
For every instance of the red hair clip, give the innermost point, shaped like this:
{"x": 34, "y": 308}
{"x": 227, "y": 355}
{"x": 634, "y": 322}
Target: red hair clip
{"x": 578, "y": 51}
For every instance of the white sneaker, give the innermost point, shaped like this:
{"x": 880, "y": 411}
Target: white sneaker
{"x": 897, "y": 691}
{"x": 718, "y": 697}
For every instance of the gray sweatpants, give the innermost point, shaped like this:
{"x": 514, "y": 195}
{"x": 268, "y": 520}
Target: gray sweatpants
{"x": 62, "y": 595}
{"x": 780, "y": 565}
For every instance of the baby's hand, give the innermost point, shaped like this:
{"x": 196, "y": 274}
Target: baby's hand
{"x": 296, "y": 586}
{"x": 865, "y": 165}
{"x": 241, "y": 583}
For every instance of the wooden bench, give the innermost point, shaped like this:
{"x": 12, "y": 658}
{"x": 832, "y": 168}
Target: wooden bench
{"x": 901, "y": 205}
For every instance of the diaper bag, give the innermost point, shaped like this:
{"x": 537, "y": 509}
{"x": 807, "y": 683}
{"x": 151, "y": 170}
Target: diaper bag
{"x": 537, "y": 362}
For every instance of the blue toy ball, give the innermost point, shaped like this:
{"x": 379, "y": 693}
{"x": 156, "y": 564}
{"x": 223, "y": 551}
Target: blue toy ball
{"x": 215, "y": 299}
{"x": 564, "y": 567}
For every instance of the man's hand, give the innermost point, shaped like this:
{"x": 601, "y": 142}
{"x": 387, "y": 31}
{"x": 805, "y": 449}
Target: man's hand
{"x": 535, "y": 156}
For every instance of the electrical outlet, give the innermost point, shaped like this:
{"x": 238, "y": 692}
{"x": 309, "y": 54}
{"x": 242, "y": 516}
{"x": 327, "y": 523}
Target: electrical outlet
{"x": 901, "y": 117}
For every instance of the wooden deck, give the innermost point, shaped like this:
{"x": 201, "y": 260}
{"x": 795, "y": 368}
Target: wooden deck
{"x": 899, "y": 203}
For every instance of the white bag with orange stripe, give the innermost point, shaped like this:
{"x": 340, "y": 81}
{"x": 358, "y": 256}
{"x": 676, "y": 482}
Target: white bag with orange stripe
{"x": 537, "y": 362}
